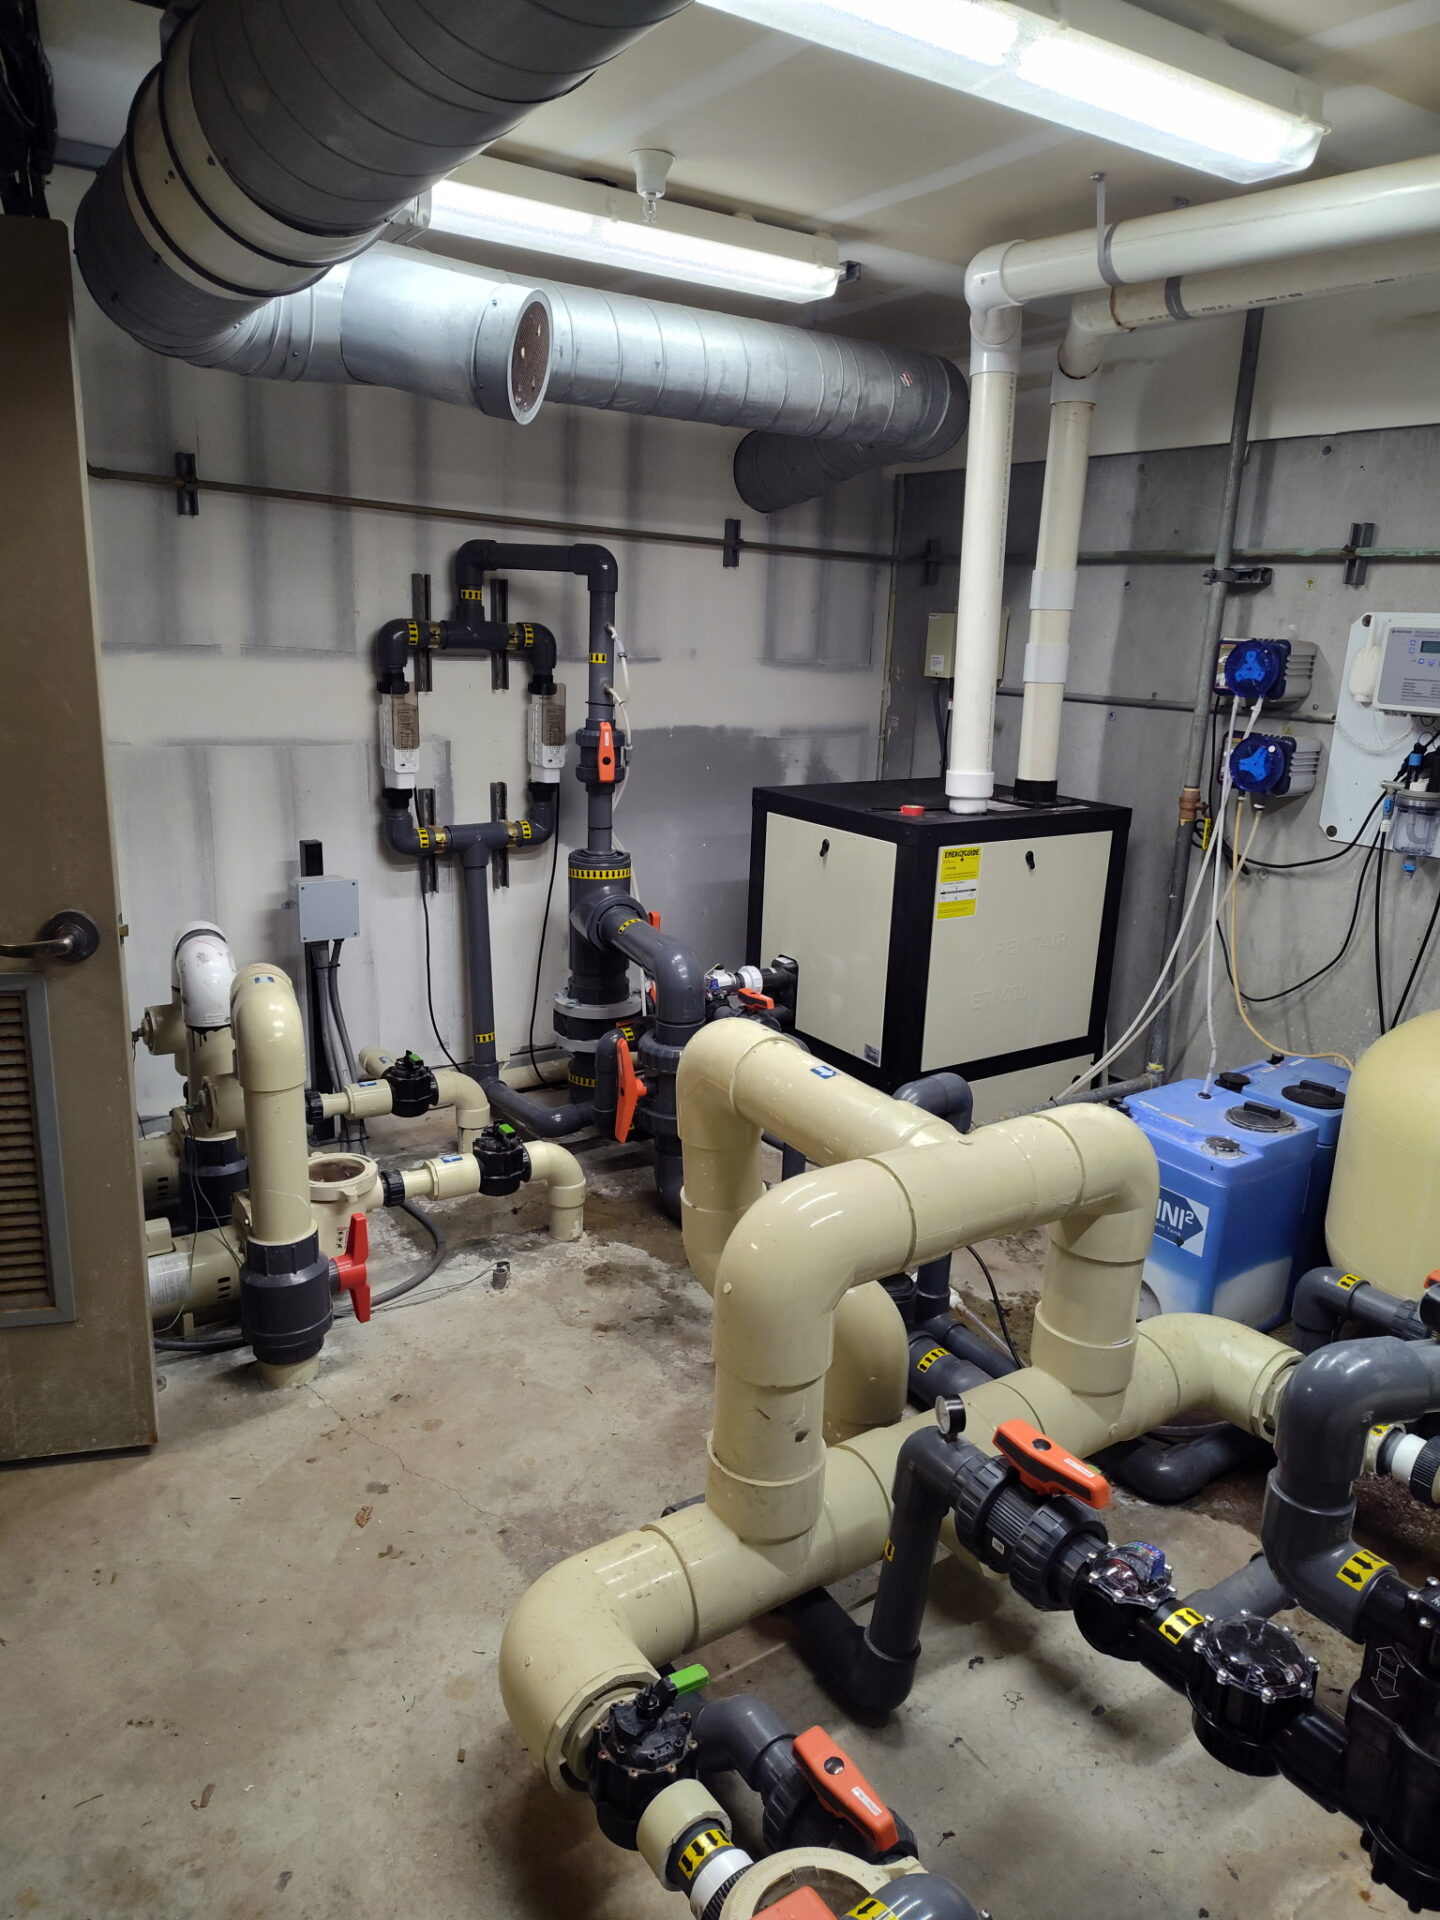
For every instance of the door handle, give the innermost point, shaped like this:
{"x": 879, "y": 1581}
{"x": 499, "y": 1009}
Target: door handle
{"x": 70, "y": 935}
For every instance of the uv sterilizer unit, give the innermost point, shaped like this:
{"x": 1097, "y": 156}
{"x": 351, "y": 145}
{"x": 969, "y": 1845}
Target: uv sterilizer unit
{"x": 929, "y": 940}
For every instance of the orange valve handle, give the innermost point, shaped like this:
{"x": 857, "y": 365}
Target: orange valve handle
{"x": 351, "y": 1266}
{"x": 839, "y": 1783}
{"x": 752, "y": 998}
{"x": 605, "y": 755}
{"x": 654, "y": 920}
{"x": 1045, "y": 1467}
{"x": 804, "y": 1905}
{"x": 632, "y": 1090}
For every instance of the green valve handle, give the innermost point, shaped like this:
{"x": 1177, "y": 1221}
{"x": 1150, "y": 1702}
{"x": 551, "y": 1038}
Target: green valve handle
{"x": 688, "y": 1680}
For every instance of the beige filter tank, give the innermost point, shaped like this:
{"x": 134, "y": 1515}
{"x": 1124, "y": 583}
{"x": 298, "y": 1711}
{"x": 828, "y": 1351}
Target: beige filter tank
{"x": 1383, "y": 1221}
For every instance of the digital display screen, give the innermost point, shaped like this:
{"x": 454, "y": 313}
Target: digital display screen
{"x": 1430, "y": 646}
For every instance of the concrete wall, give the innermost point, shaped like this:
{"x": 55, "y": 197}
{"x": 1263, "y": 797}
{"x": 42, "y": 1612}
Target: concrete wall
{"x": 239, "y": 689}
{"x": 1136, "y": 633}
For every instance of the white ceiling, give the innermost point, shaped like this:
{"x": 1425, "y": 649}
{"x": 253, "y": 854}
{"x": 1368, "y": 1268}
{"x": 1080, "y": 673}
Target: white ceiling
{"x": 911, "y": 178}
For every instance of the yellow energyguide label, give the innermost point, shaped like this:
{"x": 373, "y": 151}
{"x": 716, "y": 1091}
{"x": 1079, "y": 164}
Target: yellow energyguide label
{"x": 700, "y": 1850}
{"x": 958, "y": 888}
{"x": 1360, "y": 1569}
{"x": 1175, "y": 1626}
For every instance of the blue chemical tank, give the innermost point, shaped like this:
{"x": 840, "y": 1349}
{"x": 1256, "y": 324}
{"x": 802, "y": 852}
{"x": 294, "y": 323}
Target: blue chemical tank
{"x": 1312, "y": 1090}
{"x": 1235, "y": 1173}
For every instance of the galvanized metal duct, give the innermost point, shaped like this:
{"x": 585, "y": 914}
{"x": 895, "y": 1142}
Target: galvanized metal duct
{"x": 277, "y": 138}
{"x": 823, "y": 407}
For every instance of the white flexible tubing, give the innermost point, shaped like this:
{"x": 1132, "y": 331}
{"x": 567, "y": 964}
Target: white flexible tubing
{"x": 1165, "y": 965}
{"x": 1146, "y": 1011}
{"x": 1219, "y": 821}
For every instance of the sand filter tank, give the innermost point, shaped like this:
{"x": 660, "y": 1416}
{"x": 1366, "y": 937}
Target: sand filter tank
{"x": 1383, "y": 1221}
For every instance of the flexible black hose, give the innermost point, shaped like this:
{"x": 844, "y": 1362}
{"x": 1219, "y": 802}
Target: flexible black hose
{"x": 231, "y": 1342}
{"x": 423, "y": 1272}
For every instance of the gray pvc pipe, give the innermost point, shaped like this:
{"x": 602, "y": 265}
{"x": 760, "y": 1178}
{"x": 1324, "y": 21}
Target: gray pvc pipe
{"x": 1331, "y": 1401}
{"x": 1252, "y": 1588}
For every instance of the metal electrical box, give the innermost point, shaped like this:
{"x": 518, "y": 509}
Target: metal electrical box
{"x": 928, "y": 940}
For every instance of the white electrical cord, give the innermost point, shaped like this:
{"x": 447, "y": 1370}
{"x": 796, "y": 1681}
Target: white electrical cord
{"x": 1152, "y": 1003}
{"x": 1217, "y": 826}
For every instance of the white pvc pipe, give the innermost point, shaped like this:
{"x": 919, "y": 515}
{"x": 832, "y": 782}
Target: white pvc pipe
{"x": 202, "y": 968}
{"x": 994, "y": 367}
{"x": 1382, "y": 203}
{"x": 1052, "y": 586}
{"x": 1099, "y": 317}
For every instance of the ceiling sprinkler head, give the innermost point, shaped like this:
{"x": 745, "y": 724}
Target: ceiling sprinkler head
{"x": 652, "y": 169}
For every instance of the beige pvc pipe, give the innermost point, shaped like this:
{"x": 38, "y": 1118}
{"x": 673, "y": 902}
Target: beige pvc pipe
{"x": 782, "y": 1514}
{"x": 599, "y": 1625}
{"x": 365, "y": 1099}
{"x": 451, "y": 1175}
{"x": 270, "y": 1066}
{"x": 1052, "y": 586}
{"x": 745, "y": 1079}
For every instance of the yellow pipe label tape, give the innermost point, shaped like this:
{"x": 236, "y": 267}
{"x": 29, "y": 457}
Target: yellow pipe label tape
{"x": 1348, "y": 1280}
{"x": 700, "y": 1850}
{"x": 482, "y": 1038}
{"x": 1175, "y": 1626}
{"x": 602, "y": 873}
{"x": 422, "y": 834}
{"x": 927, "y": 1360}
{"x": 1360, "y": 1569}
{"x": 599, "y": 659}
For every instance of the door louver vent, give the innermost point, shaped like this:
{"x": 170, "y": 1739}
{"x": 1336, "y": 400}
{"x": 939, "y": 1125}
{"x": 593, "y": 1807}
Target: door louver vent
{"x": 35, "y": 1281}
{"x": 25, "y": 1279}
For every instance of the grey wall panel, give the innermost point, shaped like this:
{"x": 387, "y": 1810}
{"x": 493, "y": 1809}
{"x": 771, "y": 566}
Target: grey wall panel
{"x": 240, "y": 693}
{"x": 1136, "y": 631}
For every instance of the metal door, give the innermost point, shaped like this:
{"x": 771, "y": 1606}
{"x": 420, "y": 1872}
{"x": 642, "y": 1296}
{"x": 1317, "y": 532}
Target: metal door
{"x": 76, "y": 1368}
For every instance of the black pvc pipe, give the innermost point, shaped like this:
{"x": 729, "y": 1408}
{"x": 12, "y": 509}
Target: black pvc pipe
{"x": 1167, "y": 1473}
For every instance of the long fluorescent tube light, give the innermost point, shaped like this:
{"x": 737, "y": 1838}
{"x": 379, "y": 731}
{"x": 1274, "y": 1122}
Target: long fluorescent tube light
{"x": 500, "y": 204}
{"x": 1106, "y": 69}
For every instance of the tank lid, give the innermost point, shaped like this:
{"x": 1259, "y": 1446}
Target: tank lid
{"x": 1256, "y": 1117}
{"x": 1315, "y": 1093}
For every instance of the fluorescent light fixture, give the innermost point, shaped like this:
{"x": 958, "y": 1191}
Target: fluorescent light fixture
{"x": 500, "y": 204}
{"x": 1106, "y": 69}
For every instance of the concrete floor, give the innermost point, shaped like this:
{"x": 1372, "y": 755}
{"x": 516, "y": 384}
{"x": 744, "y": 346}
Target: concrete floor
{"x": 253, "y": 1674}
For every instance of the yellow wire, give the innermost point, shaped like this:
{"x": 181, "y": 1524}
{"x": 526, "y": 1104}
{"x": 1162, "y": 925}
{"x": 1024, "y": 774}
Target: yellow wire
{"x": 1237, "y": 857}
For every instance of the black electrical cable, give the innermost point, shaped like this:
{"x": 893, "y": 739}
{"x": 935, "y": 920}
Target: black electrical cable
{"x": 976, "y": 1256}
{"x": 430, "y": 978}
{"x": 379, "y": 1301}
{"x": 1259, "y": 999}
{"x": 540, "y": 947}
{"x": 27, "y": 112}
{"x": 942, "y": 722}
{"x": 1420, "y": 953}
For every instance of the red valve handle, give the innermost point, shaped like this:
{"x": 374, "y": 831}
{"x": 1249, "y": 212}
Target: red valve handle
{"x": 632, "y": 1090}
{"x": 1045, "y": 1467}
{"x": 351, "y": 1265}
{"x": 839, "y": 1783}
{"x": 605, "y": 755}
